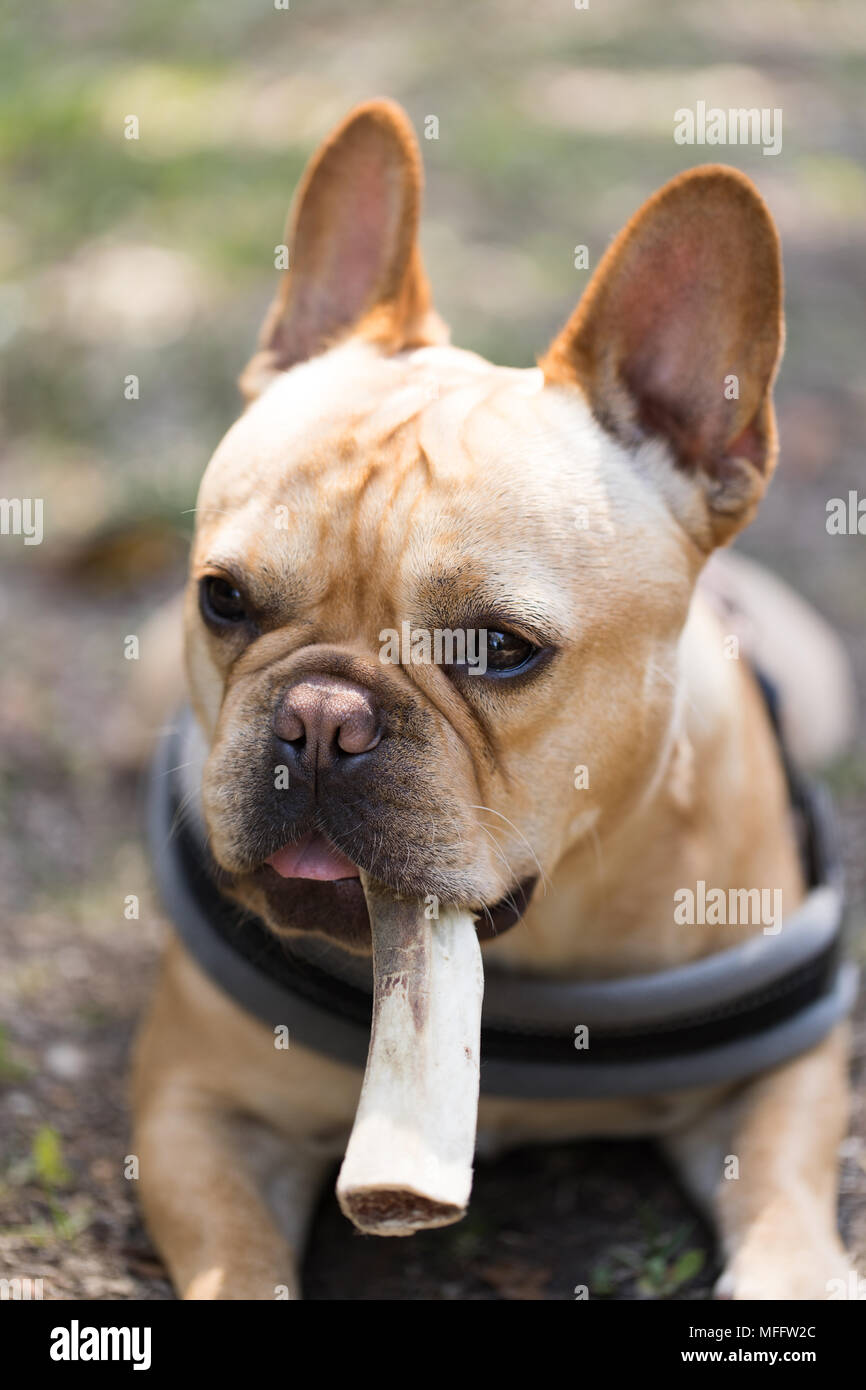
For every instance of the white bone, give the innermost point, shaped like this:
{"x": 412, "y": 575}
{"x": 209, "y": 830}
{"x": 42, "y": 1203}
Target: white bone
{"x": 408, "y": 1164}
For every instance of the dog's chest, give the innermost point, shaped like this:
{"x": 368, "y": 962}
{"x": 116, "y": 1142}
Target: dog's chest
{"x": 504, "y": 1123}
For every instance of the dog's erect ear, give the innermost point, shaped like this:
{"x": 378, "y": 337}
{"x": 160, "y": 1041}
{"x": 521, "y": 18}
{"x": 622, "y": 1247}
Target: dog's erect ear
{"x": 354, "y": 263}
{"x": 678, "y": 337}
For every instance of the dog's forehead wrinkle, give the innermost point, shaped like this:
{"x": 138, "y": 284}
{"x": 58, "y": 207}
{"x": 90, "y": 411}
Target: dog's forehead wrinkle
{"x": 343, "y": 381}
{"x": 459, "y": 410}
{"x": 309, "y": 425}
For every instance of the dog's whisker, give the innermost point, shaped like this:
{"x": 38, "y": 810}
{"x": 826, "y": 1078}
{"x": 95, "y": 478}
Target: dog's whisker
{"x": 498, "y": 850}
{"x": 517, "y": 832}
{"x": 181, "y": 814}
{"x": 217, "y": 511}
{"x": 179, "y": 768}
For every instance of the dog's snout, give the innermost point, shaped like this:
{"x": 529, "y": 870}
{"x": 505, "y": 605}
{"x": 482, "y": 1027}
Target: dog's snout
{"x": 324, "y": 717}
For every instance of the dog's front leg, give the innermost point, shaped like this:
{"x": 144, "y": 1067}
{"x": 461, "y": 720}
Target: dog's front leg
{"x": 765, "y": 1164}
{"x": 204, "y": 1173}
{"x": 225, "y": 1126}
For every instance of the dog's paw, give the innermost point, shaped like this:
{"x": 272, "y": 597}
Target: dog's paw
{"x": 787, "y": 1271}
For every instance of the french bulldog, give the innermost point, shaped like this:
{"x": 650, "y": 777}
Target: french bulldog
{"x": 379, "y": 477}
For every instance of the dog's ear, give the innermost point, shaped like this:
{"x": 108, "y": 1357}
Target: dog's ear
{"x": 354, "y": 262}
{"x": 678, "y": 337}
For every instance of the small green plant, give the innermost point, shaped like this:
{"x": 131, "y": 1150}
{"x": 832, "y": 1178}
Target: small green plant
{"x": 47, "y": 1153}
{"x": 659, "y": 1264}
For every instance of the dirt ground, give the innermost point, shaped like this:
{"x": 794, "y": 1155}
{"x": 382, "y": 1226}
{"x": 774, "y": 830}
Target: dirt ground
{"x": 155, "y": 259}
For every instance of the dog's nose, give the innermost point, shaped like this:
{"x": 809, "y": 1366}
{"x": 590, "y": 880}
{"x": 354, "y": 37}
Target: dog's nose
{"x": 324, "y": 717}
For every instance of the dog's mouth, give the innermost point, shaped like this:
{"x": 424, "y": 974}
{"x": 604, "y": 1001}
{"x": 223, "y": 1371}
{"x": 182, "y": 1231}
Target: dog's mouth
{"x": 313, "y": 857}
{"x": 310, "y": 885}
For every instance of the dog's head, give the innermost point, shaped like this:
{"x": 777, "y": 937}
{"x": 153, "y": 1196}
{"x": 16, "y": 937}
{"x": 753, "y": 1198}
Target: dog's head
{"x": 423, "y": 587}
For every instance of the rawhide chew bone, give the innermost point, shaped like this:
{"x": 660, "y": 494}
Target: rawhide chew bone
{"x": 408, "y": 1164}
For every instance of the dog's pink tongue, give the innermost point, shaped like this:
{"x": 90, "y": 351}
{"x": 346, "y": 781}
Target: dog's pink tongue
{"x": 312, "y": 857}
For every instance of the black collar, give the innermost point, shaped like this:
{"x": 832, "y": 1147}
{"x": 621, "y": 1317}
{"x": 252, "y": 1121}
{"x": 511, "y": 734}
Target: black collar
{"x": 712, "y": 1021}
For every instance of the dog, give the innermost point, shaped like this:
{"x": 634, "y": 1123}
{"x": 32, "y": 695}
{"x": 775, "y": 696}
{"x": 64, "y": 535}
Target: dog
{"x": 379, "y": 476}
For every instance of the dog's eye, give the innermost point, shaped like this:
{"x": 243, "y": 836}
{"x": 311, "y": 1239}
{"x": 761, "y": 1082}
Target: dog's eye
{"x": 508, "y": 652}
{"x": 220, "y": 601}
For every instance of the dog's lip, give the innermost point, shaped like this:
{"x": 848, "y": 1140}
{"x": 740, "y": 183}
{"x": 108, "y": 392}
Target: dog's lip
{"x": 312, "y": 857}
{"x": 490, "y": 921}
{"x": 494, "y": 921}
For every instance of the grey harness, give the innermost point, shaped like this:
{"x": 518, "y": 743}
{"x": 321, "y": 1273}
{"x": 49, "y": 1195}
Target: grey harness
{"x": 716, "y": 1020}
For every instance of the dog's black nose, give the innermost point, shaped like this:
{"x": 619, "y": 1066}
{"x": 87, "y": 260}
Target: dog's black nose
{"x": 324, "y": 718}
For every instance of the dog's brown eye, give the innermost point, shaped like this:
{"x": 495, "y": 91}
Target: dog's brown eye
{"x": 506, "y": 651}
{"x": 221, "y": 602}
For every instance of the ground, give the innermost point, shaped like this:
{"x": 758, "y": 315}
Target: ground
{"x": 153, "y": 258}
